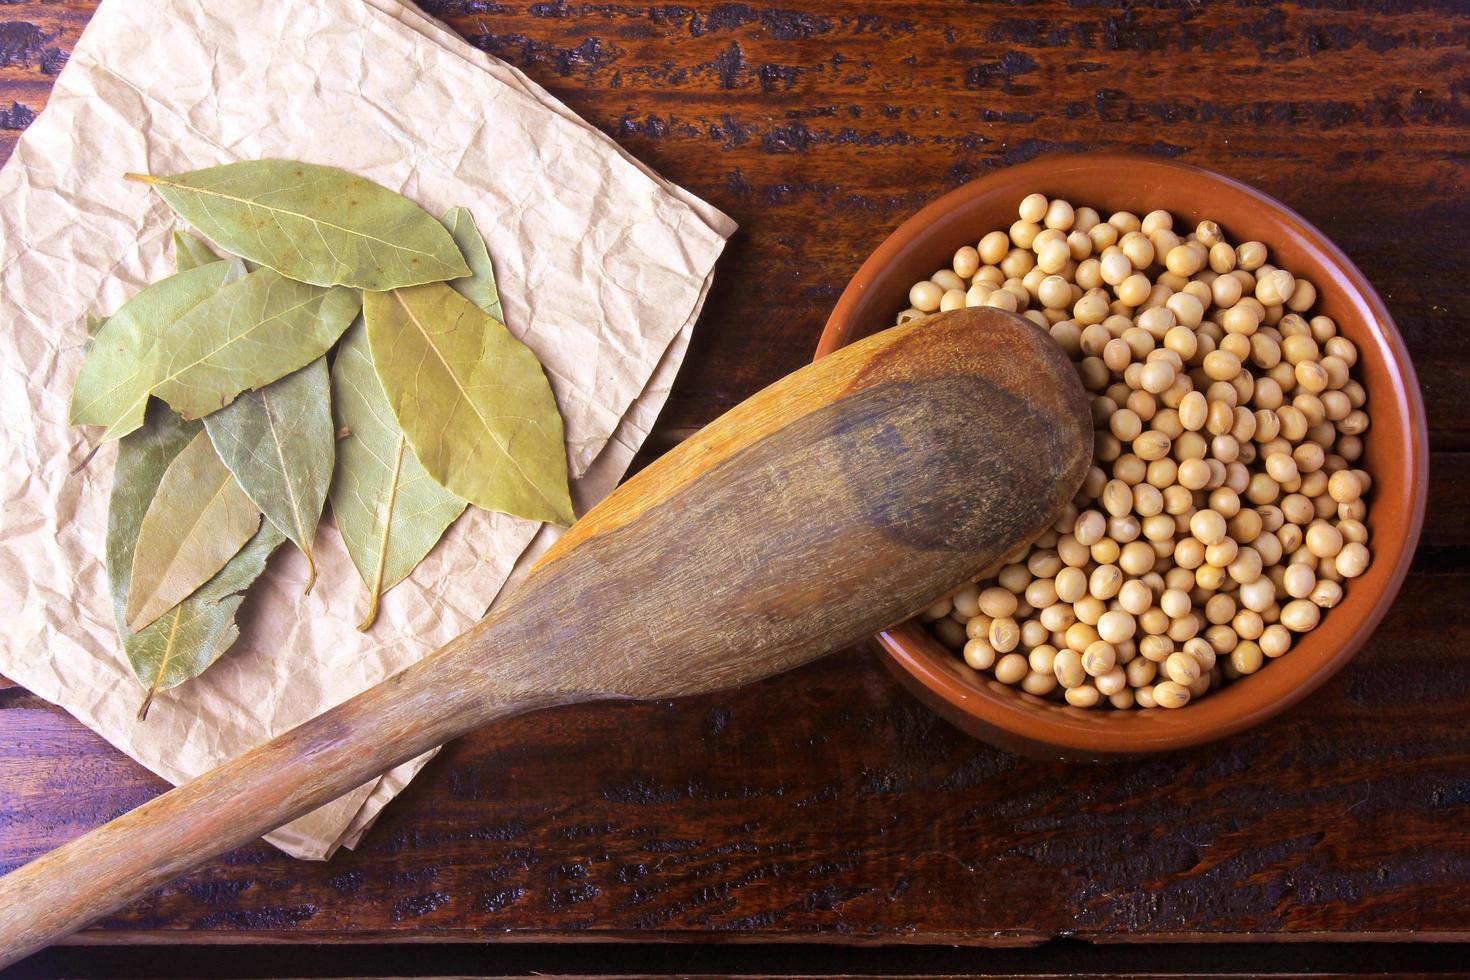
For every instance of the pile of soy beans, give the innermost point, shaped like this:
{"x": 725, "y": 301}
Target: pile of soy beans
{"x": 1225, "y": 507}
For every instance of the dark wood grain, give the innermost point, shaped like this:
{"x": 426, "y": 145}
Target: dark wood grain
{"x": 1063, "y": 957}
{"x": 827, "y": 805}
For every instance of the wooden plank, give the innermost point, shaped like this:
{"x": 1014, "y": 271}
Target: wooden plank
{"x": 1447, "y": 517}
{"x": 1062, "y": 958}
{"x": 826, "y": 805}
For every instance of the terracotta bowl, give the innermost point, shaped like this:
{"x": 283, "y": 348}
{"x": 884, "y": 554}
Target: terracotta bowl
{"x": 1395, "y": 447}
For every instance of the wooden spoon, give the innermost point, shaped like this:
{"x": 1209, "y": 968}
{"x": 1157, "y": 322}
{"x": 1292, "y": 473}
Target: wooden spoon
{"x": 839, "y": 501}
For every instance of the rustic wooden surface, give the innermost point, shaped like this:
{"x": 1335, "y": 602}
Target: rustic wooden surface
{"x": 826, "y": 805}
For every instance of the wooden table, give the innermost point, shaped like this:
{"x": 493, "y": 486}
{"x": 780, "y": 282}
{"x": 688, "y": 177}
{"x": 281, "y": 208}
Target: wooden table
{"x": 827, "y": 806}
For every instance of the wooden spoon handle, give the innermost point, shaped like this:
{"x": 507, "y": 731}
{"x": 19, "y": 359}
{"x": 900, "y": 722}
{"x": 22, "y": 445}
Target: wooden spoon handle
{"x": 411, "y": 712}
{"x": 835, "y": 503}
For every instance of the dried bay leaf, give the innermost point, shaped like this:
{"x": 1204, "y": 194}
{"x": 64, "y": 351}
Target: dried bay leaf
{"x": 94, "y": 324}
{"x": 314, "y": 224}
{"x": 122, "y": 358}
{"x": 190, "y": 252}
{"x": 479, "y": 286}
{"x": 191, "y": 636}
{"x": 142, "y": 458}
{"x": 247, "y": 335}
{"x": 278, "y": 442}
{"x": 390, "y": 512}
{"x": 472, "y": 401}
{"x": 196, "y": 522}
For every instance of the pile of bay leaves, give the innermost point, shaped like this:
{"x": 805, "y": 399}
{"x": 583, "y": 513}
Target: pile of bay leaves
{"x": 352, "y": 347}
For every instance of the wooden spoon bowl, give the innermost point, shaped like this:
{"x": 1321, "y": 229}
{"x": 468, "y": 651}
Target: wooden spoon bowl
{"x": 1396, "y": 446}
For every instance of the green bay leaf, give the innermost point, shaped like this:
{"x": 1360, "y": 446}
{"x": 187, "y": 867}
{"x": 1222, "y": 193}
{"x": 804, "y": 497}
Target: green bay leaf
{"x": 190, "y": 252}
{"x": 247, "y": 335}
{"x": 122, "y": 356}
{"x": 142, "y": 458}
{"x": 196, "y": 522}
{"x": 390, "y": 512}
{"x": 278, "y": 442}
{"x": 190, "y": 637}
{"x": 472, "y": 400}
{"x": 314, "y": 224}
{"x": 479, "y": 286}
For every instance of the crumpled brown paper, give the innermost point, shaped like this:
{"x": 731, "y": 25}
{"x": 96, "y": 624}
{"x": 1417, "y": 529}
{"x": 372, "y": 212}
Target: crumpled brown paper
{"x": 603, "y": 268}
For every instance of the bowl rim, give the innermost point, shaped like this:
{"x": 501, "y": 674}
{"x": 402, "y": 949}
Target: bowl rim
{"x": 1004, "y": 717}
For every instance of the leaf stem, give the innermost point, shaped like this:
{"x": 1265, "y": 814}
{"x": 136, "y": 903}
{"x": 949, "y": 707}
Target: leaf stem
{"x": 85, "y": 460}
{"x": 141, "y": 178}
{"x": 168, "y": 652}
{"x": 147, "y": 702}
